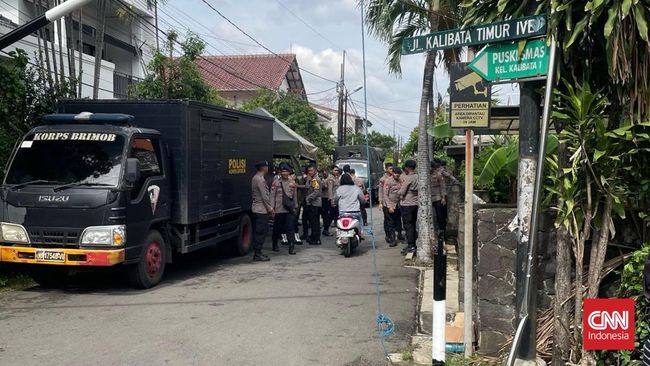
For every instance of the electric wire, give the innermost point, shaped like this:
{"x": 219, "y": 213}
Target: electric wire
{"x": 259, "y": 43}
{"x": 385, "y": 326}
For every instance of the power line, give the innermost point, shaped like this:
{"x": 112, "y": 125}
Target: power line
{"x": 259, "y": 43}
{"x": 307, "y": 24}
{"x": 322, "y": 91}
{"x": 389, "y": 109}
{"x": 200, "y": 56}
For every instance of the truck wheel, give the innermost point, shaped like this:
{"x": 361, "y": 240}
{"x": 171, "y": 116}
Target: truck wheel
{"x": 150, "y": 268}
{"x": 50, "y": 277}
{"x": 245, "y": 237}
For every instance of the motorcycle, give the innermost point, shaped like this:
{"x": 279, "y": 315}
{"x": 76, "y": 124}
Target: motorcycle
{"x": 348, "y": 233}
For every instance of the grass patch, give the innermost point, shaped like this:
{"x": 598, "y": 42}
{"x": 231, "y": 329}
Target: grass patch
{"x": 14, "y": 280}
{"x": 407, "y": 352}
{"x": 474, "y": 360}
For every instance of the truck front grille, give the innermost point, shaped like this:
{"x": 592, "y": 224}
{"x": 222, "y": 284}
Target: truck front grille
{"x": 51, "y": 237}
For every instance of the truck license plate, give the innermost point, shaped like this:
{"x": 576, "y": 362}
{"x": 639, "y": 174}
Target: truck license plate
{"x": 49, "y": 256}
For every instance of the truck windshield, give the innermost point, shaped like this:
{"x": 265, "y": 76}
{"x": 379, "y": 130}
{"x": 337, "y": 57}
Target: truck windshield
{"x": 360, "y": 169}
{"x": 64, "y": 158}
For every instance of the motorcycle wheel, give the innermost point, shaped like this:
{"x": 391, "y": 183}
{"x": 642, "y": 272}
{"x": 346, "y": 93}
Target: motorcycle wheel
{"x": 348, "y": 249}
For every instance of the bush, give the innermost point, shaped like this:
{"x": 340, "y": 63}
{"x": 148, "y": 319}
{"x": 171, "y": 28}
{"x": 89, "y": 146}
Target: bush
{"x": 632, "y": 286}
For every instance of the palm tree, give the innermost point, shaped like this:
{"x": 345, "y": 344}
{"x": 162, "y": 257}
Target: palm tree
{"x": 392, "y": 21}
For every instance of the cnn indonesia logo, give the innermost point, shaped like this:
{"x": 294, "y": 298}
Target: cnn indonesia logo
{"x": 608, "y": 324}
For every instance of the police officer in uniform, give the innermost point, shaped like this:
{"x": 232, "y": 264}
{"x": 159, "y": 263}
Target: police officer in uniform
{"x": 391, "y": 199}
{"x": 362, "y": 186}
{"x": 314, "y": 203}
{"x": 262, "y": 209}
{"x": 333, "y": 211}
{"x": 284, "y": 221}
{"x": 409, "y": 204}
{"x": 439, "y": 197}
{"x": 325, "y": 209}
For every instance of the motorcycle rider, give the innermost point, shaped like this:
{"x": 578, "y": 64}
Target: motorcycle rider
{"x": 349, "y": 199}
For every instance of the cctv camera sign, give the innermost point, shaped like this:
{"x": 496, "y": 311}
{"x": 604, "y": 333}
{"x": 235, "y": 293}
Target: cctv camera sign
{"x": 469, "y": 98}
{"x": 608, "y": 324}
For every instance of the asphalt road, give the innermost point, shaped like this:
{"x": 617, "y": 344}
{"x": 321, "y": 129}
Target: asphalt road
{"x": 314, "y": 308}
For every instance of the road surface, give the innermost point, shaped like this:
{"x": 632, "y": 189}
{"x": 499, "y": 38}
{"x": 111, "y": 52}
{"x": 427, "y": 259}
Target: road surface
{"x": 314, "y": 308}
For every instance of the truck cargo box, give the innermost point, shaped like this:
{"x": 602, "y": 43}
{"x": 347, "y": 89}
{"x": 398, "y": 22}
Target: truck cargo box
{"x": 212, "y": 151}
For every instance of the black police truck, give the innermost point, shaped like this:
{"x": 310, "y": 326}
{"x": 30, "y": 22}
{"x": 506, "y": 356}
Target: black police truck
{"x": 128, "y": 183}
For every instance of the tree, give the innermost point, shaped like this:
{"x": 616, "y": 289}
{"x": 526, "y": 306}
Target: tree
{"x": 26, "y": 96}
{"x": 391, "y": 21}
{"x": 376, "y": 139}
{"x": 176, "y": 77}
{"x": 605, "y": 43}
{"x": 299, "y": 116}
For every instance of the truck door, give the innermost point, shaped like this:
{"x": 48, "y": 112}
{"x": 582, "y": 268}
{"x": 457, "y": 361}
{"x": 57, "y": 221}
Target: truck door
{"x": 211, "y": 168}
{"x": 149, "y": 197}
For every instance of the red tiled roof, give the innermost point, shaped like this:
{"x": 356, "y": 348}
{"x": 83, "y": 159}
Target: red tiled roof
{"x": 264, "y": 70}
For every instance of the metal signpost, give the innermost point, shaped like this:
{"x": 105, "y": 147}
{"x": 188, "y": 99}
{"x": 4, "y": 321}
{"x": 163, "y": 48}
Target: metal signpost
{"x": 507, "y": 62}
{"x": 469, "y": 108}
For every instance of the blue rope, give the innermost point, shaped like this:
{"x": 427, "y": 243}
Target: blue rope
{"x": 385, "y": 325}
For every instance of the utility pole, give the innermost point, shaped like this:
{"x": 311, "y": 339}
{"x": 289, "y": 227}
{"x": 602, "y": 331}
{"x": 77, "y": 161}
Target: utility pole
{"x": 345, "y": 117}
{"x": 341, "y": 87}
{"x": 396, "y": 146}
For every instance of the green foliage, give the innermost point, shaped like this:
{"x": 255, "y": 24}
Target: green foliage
{"x": 604, "y": 41}
{"x": 375, "y": 139}
{"x": 26, "y": 96}
{"x": 177, "y": 77}
{"x": 632, "y": 286}
{"x": 299, "y": 116}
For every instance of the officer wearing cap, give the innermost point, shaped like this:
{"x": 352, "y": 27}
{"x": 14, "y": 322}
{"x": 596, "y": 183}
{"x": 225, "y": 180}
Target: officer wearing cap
{"x": 262, "y": 209}
{"x": 408, "y": 194}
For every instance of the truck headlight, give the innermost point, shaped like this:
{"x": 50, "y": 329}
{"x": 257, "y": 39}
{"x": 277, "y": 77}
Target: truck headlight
{"x": 13, "y": 233}
{"x": 104, "y": 235}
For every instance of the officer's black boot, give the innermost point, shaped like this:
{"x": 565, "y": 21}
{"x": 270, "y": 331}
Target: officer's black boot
{"x": 392, "y": 242}
{"x": 274, "y": 241}
{"x": 400, "y": 236}
{"x": 259, "y": 257}
{"x": 292, "y": 247}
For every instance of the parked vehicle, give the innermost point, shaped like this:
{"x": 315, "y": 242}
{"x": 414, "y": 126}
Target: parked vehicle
{"x": 129, "y": 183}
{"x": 368, "y": 164}
{"x": 348, "y": 233}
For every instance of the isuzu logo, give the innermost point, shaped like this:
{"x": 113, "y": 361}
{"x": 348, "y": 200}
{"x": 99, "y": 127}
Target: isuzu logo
{"x": 51, "y": 198}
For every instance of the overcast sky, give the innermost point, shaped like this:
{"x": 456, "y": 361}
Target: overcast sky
{"x": 335, "y": 26}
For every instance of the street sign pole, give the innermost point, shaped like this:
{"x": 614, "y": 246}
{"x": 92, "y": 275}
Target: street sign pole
{"x": 523, "y": 351}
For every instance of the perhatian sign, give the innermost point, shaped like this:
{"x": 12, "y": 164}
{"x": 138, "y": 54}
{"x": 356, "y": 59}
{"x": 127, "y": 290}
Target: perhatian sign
{"x": 507, "y": 30}
{"x": 506, "y": 62}
{"x": 469, "y": 98}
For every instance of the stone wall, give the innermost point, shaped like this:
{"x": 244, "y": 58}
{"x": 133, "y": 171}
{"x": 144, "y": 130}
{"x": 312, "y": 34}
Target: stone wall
{"x": 494, "y": 272}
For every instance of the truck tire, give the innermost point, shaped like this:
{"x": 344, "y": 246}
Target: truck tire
{"x": 244, "y": 240}
{"x": 50, "y": 277}
{"x": 150, "y": 268}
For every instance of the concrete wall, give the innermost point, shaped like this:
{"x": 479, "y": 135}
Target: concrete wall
{"x": 494, "y": 272}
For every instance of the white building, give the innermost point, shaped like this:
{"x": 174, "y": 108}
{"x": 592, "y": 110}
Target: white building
{"x": 328, "y": 118}
{"x": 128, "y": 42}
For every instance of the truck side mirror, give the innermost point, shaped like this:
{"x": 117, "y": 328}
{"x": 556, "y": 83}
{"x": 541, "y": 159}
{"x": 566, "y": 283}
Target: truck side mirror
{"x": 132, "y": 174}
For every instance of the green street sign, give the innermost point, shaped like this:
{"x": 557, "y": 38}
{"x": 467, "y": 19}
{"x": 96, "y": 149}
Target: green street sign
{"x": 505, "y": 62}
{"x": 508, "y": 30}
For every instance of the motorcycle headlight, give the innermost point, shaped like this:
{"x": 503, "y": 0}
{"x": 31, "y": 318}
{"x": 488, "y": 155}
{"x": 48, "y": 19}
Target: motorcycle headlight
{"x": 13, "y": 233}
{"x": 104, "y": 235}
